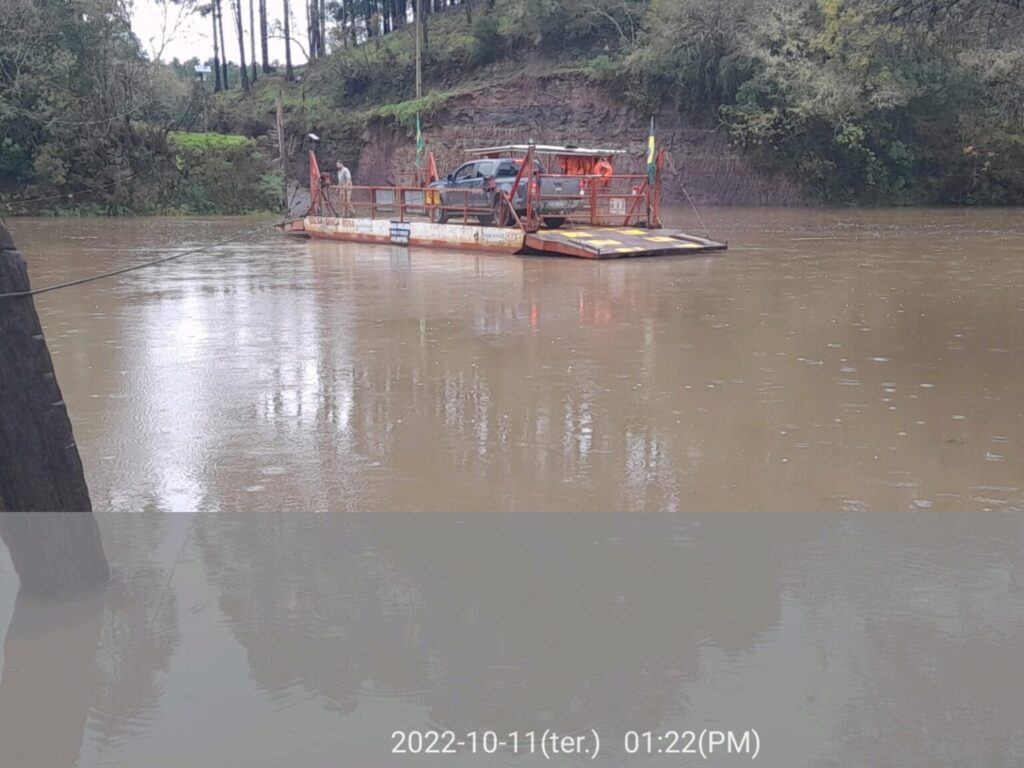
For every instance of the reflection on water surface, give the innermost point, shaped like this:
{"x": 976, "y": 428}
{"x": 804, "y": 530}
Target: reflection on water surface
{"x": 305, "y": 640}
{"x": 830, "y": 360}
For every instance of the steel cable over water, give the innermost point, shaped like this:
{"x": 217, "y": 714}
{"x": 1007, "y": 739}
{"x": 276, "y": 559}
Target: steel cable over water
{"x": 124, "y": 270}
{"x": 707, "y": 232}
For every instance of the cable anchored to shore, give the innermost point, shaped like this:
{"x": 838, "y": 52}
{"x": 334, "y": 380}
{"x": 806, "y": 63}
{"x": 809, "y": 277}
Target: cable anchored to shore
{"x": 134, "y": 267}
{"x": 686, "y": 192}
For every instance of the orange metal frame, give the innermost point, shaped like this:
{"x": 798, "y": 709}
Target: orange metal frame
{"x": 326, "y": 200}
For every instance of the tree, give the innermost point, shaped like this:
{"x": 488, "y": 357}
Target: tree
{"x": 422, "y": 11}
{"x": 252, "y": 39}
{"x": 71, "y": 78}
{"x": 237, "y": 7}
{"x": 174, "y": 15}
{"x": 931, "y": 10}
{"x": 322, "y": 15}
{"x": 264, "y": 53}
{"x": 211, "y": 11}
{"x": 313, "y": 29}
{"x": 370, "y": 18}
{"x": 223, "y": 48}
{"x": 289, "y": 72}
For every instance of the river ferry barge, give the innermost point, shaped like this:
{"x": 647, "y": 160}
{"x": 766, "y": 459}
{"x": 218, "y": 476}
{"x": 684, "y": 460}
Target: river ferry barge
{"x": 587, "y": 211}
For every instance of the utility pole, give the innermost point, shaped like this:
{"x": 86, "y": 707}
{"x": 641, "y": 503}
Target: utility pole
{"x": 419, "y": 59}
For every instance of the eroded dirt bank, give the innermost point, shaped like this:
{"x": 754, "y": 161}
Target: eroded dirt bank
{"x": 567, "y": 109}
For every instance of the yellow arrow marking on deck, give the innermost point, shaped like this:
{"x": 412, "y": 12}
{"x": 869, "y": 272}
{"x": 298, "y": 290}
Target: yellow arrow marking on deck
{"x": 603, "y": 242}
{"x": 575, "y": 234}
{"x": 634, "y": 249}
{"x": 661, "y": 239}
{"x": 631, "y": 231}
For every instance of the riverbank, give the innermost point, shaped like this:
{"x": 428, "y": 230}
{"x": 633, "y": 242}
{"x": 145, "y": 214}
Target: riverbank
{"x": 176, "y": 173}
{"x": 830, "y": 120}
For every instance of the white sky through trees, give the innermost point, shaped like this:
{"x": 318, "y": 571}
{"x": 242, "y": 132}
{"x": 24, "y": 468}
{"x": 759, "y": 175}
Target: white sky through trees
{"x": 193, "y": 37}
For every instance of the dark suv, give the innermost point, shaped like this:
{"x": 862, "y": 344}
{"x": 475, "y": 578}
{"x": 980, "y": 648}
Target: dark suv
{"x": 481, "y": 179}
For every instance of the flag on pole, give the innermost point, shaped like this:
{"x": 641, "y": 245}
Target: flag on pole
{"x": 419, "y": 142}
{"x": 651, "y": 165}
{"x": 432, "y": 174}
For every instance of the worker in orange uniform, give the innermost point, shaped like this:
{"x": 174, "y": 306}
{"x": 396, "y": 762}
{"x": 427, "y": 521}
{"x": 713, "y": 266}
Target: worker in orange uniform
{"x": 603, "y": 170}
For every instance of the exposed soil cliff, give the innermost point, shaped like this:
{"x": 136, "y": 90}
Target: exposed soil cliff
{"x": 561, "y": 109}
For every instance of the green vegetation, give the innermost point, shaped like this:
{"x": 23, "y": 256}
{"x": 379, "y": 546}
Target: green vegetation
{"x": 209, "y": 141}
{"x": 858, "y": 100}
{"x": 212, "y": 169}
{"x": 869, "y": 101}
{"x": 87, "y": 123}
{"x": 861, "y": 101}
{"x": 404, "y": 112}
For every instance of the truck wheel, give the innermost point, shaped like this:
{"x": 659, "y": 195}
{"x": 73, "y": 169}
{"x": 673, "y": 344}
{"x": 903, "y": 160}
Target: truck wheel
{"x": 553, "y": 222}
{"x": 501, "y": 215}
{"x": 438, "y": 215}
{"x": 486, "y": 218}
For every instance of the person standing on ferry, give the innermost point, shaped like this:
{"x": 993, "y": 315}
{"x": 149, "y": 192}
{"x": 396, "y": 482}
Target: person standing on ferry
{"x": 345, "y": 185}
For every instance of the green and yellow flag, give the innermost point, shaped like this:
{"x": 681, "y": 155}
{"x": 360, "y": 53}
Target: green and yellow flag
{"x": 420, "y": 145}
{"x": 651, "y": 165}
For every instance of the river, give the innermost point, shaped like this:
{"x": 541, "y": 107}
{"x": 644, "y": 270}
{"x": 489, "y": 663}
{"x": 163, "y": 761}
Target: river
{"x": 306, "y": 641}
{"x": 836, "y": 361}
{"x": 830, "y": 360}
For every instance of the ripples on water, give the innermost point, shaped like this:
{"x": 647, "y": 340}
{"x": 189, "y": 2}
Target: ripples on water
{"x": 829, "y": 360}
{"x": 307, "y": 639}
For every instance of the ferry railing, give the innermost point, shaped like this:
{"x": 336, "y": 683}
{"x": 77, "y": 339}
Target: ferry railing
{"x": 377, "y": 202}
{"x": 588, "y": 201}
{"x": 469, "y": 206}
{"x": 459, "y": 206}
{"x": 620, "y": 200}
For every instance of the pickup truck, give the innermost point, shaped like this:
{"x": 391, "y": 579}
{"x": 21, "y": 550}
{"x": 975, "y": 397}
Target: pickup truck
{"x": 481, "y": 179}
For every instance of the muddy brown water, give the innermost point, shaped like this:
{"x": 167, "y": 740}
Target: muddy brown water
{"x": 829, "y": 360}
{"x": 305, "y": 641}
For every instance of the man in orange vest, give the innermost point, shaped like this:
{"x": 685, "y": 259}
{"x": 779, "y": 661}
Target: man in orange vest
{"x": 603, "y": 168}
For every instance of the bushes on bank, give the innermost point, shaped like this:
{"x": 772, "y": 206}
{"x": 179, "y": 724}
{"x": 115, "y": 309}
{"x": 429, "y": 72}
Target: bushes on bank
{"x": 180, "y": 173}
{"x": 864, "y": 101}
{"x": 219, "y": 173}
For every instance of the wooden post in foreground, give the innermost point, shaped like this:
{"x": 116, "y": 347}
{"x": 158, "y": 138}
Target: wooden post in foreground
{"x": 49, "y": 528}
{"x": 50, "y": 680}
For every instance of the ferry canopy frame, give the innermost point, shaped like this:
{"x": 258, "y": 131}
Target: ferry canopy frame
{"x": 545, "y": 149}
